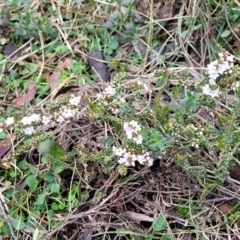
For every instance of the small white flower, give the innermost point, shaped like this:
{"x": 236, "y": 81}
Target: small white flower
{"x": 208, "y": 91}
{"x": 145, "y": 159}
{"x": 28, "y": 130}
{"x": 1, "y": 130}
{"x": 128, "y": 159}
{"x": 46, "y": 120}
{"x": 26, "y": 121}
{"x": 68, "y": 113}
{"x": 230, "y": 58}
{"x": 132, "y": 126}
{"x": 138, "y": 139}
{"x": 74, "y": 100}
{"x": 9, "y": 121}
{"x": 147, "y": 88}
{"x": 122, "y": 100}
{"x": 220, "y": 55}
{"x": 99, "y": 95}
{"x": 212, "y": 79}
{"x": 110, "y": 90}
{"x": 118, "y": 151}
{"x": 114, "y": 110}
{"x": 124, "y": 162}
{"x": 60, "y": 119}
{"x": 35, "y": 117}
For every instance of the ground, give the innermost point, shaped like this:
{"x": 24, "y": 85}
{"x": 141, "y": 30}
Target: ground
{"x": 119, "y": 119}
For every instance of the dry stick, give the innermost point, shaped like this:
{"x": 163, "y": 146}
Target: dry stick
{"x": 65, "y": 220}
{"x": 6, "y": 218}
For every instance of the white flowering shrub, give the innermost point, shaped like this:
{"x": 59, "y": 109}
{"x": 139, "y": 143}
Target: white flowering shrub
{"x": 215, "y": 69}
{"x": 141, "y": 129}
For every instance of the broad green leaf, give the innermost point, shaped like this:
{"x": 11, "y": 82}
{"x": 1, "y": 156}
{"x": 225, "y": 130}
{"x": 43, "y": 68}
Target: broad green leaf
{"x": 61, "y": 206}
{"x": 49, "y": 177}
{"x": 18, "y": 224}
{"x": 40, "y": 200}
{"x": 58, "y": 168}
{"x": 114, "y": 43}
{"x": 54, "y": 206}
{"x": 55, "y": 188}
{"x": 159, "y": 224}
{"x": 225, "y": 34}
{"x": 52, "y": 148}
{"x": 32, "y": 182}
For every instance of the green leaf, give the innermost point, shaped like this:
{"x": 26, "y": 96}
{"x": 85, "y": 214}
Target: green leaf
{"x": 44, "y": 159}
{"x": 54, "y": 206}
{"x": 3, "y": 135}
{"x": 40, "y": 200}
{"x": 58, "y": 168}
{"x": 48, "y": 177}
{"x": 183, "y": 211}
{"x": 18, "y": 224}
{"x": 52, "y": 148}
{"x": 35, "y": 234}
{"x": 125, "y": 3}
{"x": 32, "y": 182}
{"x": 114, "y": 43}
{"x": 75, "y": 202}
{"x": 55, "y": 188}
{"x": 61, "y": 206}
{"x": 159, "y": 224}
{"x": 225, "y": 34}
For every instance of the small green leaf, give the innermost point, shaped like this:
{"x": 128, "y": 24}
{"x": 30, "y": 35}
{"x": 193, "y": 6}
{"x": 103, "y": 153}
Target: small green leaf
{"x": 32, "y": 182}
{"x": 114, "y": 43}
{"x": 54, "y": 206}
{"x": 183, "y": 210}
{"x": 52, "y": 148}
{"x": 49, "y": 177}
{"x": 159, "y": 224}
{"x": 55, "y": 188}
{"x": 3, "y": 135}
{"x": 125, "y": 3}
{"x": 75, "y": 202}
{"x": 44, "y": 159}
{"x": 61, "y": 206}
{"x": 58, "y": 168}
{"x": 225, "y": 34}
{"x": 40, "y": 200}
{"x": 18, "y": 224}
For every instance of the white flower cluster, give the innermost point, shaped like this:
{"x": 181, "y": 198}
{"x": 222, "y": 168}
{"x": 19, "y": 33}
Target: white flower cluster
{"x": 218, "y": 67}
{"x": 146, "y": 86}
{"x": 215, "y": 69}
{"x": 28, "y": 123}
{"x": 112, "y": 105}
{"x": 132, "y": 131}
{"x": 129, "y": 159}
{"x": 108, "y": 91}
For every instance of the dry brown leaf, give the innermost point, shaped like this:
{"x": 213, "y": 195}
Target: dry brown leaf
{"x": 225, "y": 208}
{"x": 5, "y": 145}
{"x": 46, "y": 73}
{"x": 11, "y": 50}
{"x": 54, "y": 77}
{"x": 66, "y": 62}
{"x": 27, "y": 97}
{"x": 53, "y": 80}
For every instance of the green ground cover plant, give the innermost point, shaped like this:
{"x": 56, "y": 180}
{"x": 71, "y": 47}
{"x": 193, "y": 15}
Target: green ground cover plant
{"x": 119, "y": 119}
